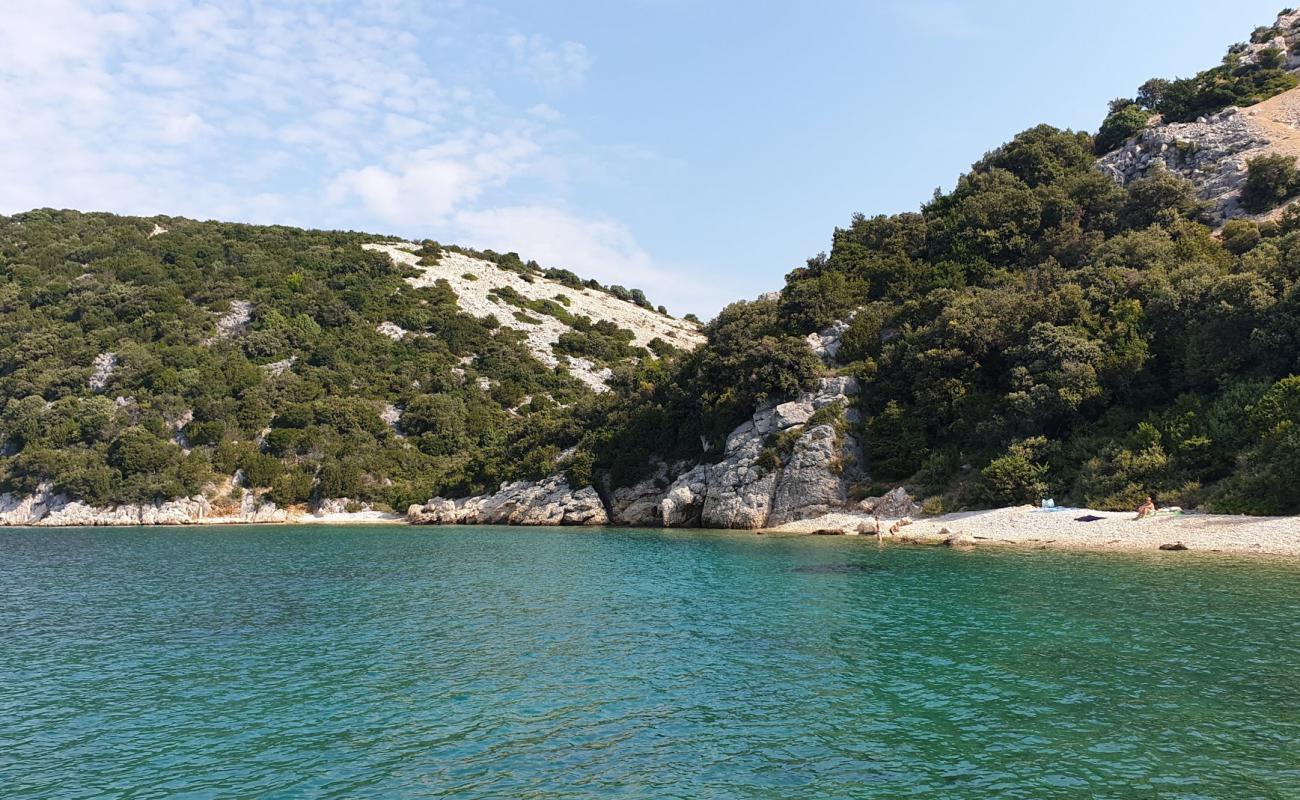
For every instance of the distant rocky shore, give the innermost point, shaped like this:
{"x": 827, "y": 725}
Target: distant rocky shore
{"x": 48, "y": 509}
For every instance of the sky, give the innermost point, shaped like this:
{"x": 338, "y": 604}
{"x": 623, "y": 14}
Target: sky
{"x": 697, "y": 150}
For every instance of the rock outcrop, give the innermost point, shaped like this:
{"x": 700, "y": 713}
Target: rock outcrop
{"x": 45, "y": 508}
{"x": 683, "y": 504}
{"x": 545, "y": 502}
{"x": 756, "y": 484}
{"x": 826, "y": 343}
{"x": 1211, "y": 153}
{"x": 894, "y": 504}
{"x": 639, "y": 504}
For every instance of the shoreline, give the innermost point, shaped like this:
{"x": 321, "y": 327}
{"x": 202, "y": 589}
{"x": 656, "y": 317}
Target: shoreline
{"x": 1110, "y": 531}
{"x": 1022, "y": 527}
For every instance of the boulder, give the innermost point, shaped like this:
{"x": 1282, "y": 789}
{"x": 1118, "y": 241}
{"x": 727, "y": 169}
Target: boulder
{"x": 895, "y": 504}
{"x": 958, "y": 539}
{"x": 869, "y": 529}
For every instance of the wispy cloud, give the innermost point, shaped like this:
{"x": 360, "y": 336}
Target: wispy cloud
{"x": 554, "y": 67}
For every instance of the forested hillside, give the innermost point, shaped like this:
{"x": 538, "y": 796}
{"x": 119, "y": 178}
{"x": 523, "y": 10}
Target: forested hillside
{"x": 1037, "y": 331}
{"x": 143, "y": 359}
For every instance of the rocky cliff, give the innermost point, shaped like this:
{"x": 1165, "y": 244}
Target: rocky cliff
{"x": 783, "y": 464}
{"x": 789, "y": 461}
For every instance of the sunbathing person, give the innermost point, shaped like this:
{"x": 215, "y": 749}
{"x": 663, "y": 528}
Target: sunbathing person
{"x": 1146, "y": 509}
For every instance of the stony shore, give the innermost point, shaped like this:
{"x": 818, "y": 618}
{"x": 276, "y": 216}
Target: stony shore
{"x": 1020, "y": 526}
{"x": 1027, "y": 526}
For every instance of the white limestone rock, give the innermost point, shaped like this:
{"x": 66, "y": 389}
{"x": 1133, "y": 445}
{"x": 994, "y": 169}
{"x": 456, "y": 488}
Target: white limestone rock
{"x": 545, "y": 502}
{"x": 103, "y": 368}
{"x": 683, "y": 504}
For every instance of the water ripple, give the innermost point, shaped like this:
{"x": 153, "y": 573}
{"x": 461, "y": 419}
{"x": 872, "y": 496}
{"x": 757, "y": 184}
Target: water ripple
{"x": 474, "y": 663}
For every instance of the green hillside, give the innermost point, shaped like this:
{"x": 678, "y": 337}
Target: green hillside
{"x": 295, "y": 396}
{"x": 1037, "y": 331}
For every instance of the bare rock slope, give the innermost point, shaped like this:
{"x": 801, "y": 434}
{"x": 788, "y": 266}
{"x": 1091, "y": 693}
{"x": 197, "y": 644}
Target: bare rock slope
{"x": 1212, "y": 151}
{"x": 474, "y": 281}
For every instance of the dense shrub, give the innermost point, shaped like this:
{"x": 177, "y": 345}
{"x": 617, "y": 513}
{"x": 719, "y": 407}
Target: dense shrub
{"x": 1120, "y": 124}
{"x": 1270, "y": 180}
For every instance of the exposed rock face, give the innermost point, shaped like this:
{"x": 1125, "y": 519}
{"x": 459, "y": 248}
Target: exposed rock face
{"x": 104, "y": 367}
{"x": 683, "y": 503}
{"x": 639, "y": 504}
{"x": 546, "y": 502}
{"x": 235, "y": 321}
{"x": 809, "y": 485}
{"x": 390, "y": 329}
{"x": 1210, "y": 152}
{"x": 47, "y": 509}
{"x": 745, "y": 489}
{"x": 826, "y": 343}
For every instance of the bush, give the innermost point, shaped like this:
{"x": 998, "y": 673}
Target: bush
{"x": 1119, "y": 126}
{"x": 1240, "y": 235}
{"x": 291, "y": 488}
{"x": 1270, "y": 180}
{"x": 260, "y": 469}
{"x": 138, "y": 451}
{"x": 1018, "y": 477}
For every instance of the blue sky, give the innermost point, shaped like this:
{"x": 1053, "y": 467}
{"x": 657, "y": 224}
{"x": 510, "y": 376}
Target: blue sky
{"x": 697, "y": 150}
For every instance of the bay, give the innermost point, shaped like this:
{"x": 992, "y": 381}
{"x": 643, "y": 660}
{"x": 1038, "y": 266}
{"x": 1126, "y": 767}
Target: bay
{"x": 319, "y": 661}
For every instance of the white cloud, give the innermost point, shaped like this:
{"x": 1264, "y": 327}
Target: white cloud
{"x": 554, "y": 67}
{"x": 430, "y": 184}
{"x": 603, "y": 249}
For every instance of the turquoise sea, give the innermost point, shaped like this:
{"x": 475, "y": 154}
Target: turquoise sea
{"x": 544, "y": 663}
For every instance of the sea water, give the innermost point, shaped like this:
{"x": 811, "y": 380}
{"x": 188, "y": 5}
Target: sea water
{"x": 548, "y": 663}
